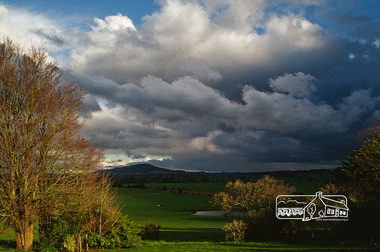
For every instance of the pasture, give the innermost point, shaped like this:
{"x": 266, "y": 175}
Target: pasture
{"x": 173, "y": 212}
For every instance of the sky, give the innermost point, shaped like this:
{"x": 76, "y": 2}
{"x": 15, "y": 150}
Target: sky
{"x": 214, "y": 85}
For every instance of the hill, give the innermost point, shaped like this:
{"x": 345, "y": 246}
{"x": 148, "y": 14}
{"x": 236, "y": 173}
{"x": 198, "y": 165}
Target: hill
{"x": 140, "y": 169}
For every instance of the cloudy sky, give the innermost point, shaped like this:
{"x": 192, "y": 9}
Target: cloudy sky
{"x": 214, "y": 85}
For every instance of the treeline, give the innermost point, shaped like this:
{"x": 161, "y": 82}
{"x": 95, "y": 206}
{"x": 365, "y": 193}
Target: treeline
{"x": 135, "y": 181}
{"x": 120, "y": 181}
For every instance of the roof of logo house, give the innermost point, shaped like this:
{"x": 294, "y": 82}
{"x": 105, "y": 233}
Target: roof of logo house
{"x": 312, "y": 207}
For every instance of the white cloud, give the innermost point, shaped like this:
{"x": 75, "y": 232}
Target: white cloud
{"x": 236, "y": 14}
{"x": 285, "y": 113}
{"x": 185, "y": 39}
{"x": 31, "y": 29}
{"x": 294, "y": 33}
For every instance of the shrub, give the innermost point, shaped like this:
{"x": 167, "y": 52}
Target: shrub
{"x": 69, "y": 243}
{"x": 151, "y": 231}
{"x": 126, "y": 232}
{"x": 123, "y": 234}
{"x": 53, "y": 233}
{"x": 235, "y": 230}
{"x": 97, "y": 241}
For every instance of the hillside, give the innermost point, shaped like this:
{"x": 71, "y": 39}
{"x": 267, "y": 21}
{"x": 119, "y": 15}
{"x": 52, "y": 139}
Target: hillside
{"x": 140, "y": 169}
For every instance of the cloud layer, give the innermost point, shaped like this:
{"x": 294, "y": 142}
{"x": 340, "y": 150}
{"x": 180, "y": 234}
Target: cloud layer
{"x": 224, "y": 85}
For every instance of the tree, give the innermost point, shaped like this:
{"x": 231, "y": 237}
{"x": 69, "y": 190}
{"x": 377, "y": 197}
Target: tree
{"x": 42, "y": 153}
{"x": 256, "y": 201}
{"x": 358, "y": 178}
{"x": 252, "y": 198}
{"x": 362, "y": 168}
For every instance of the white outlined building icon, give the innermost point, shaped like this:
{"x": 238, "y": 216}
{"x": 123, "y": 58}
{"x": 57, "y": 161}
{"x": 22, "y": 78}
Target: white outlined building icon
{"x": 312, "y": 207}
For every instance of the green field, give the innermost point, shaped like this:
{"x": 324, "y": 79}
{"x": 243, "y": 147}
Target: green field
{"x": 244, "y": 246}
{"x": 173, "y": 212}
{"x": 201, "y": 186}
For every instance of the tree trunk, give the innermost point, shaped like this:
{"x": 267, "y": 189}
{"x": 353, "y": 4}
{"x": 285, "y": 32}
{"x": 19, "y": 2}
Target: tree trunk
{"x": 24, "y": 237}
{"x": 79, "y": 247}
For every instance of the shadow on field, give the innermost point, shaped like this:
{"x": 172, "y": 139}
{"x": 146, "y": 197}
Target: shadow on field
{"x": 192, "y": 234}
{"x": 6, "y": 244}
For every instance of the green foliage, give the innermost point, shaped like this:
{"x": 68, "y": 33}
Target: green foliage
{"x": 362, "y": 171}
{"x": 53, "y": 232}
{"x": 127, "y": 231}
{"x": 69, "y": 243}
{"x": 124, "y": 234}
{"x": 97, "y": 241}
{"x": 151, "y": 231}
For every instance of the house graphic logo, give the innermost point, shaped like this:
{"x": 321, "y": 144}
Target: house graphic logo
{"x": 312, "y": 207}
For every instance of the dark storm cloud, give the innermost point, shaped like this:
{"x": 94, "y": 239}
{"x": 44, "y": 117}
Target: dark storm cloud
{"x": 209, "y": 92}
{"x": 226, "y": 85}
{"x": 357, "y": 27}
{"x": 51, "y": 35}
{"x": 91, "y": 105}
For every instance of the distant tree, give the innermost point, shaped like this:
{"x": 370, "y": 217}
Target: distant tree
{"x": 252, "y": 198}
{"x": 43, "y": 157}
{"x": 256, "y": 202}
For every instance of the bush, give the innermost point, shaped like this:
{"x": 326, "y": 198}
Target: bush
{"x": 123, "y": 234}
{"x": 127, "y": 232}
{"x": 53, "y": 232}
{"x": 97, "y": 241}
{"x": 235, "y": 230}
{"x": 151, "y": 231}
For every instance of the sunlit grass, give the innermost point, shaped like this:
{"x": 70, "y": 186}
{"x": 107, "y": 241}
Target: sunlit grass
{"x": 244, "y": 246}
{"x": 173, "y": 212}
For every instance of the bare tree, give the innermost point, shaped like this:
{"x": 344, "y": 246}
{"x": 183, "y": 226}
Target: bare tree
{"x": 42, "y": 153}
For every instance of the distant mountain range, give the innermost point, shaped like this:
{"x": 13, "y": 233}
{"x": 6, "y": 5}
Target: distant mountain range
{"x": 140, "y": 169}
{"x": 148, "y": 169}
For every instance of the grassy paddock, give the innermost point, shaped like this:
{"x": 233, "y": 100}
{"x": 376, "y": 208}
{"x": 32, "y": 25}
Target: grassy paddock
{"x": 245, "y": 246}
{"x": 201, "y": 186}
{"x": 7, "y": 240}
{"x": 173, "y": 212}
